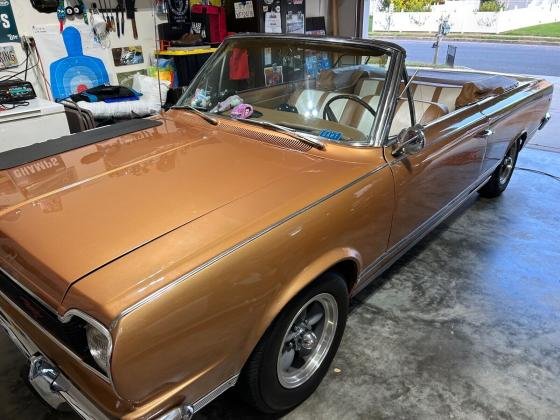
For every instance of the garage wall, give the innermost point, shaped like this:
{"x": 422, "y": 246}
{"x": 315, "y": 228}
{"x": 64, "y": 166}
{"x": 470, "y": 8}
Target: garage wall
{"x": 26, "y": 16}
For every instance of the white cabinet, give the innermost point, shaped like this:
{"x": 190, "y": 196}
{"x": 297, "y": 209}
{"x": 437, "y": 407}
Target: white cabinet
{"x": 41, "y": 120}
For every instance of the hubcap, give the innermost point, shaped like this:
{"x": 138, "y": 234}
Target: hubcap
{"x": 507, "y": 167}
{"x": 307, "y": 340}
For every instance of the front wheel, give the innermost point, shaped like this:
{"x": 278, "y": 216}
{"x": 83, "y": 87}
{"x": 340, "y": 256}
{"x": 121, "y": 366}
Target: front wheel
{"x": 294, "y": 355}
{"x": 499, "y": 180}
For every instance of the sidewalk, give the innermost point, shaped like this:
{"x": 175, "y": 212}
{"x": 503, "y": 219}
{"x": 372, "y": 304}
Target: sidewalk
{"x": 548, "y": 138}
{"x": 470, "y": 37}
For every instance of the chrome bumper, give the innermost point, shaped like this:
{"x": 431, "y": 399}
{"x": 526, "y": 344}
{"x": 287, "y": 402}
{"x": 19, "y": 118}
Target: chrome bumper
{"x": 544, "y": 120}
{"x": 45, "y": 377}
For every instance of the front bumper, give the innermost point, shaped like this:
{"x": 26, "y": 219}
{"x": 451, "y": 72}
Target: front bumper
{"x": 46, "y": 378}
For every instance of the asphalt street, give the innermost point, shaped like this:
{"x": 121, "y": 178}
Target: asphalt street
{"x": 501, "y": 57}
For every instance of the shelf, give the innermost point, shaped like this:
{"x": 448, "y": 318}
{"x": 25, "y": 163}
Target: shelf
{"x": 186, "y": 52}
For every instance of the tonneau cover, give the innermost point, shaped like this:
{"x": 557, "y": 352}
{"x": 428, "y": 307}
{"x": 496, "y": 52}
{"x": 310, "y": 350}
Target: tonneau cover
{"x": 23, "y": 155}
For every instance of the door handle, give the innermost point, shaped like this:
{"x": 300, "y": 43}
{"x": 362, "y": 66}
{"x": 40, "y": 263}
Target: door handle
{"x": 485, "y": 133}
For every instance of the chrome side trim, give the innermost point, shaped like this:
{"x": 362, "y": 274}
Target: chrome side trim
{"x": 215, "y": 393}
{"x": 60, "y": 386}
{"x": 382, "y": 263}
{"x": 55, "y": 340}
{"x": 235, "y": 247}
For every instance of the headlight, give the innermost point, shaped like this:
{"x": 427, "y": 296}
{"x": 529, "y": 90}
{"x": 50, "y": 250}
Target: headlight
{"x": 98, "y": 347}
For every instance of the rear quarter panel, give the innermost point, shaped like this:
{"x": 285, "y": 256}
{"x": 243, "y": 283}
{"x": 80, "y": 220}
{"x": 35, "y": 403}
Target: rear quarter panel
{"x": 512, "y": 115}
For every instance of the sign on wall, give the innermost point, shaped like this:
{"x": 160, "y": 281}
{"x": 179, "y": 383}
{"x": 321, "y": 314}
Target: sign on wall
{"x": 8, "y": 28}
{"x": 8, "y": 57}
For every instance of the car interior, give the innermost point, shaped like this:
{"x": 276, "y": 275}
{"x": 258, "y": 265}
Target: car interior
{"x": 345, "y": 96}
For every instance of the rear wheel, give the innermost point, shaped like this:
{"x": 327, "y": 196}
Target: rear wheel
{"x": 500, "y": 178}
{"x": 294, "y": 355}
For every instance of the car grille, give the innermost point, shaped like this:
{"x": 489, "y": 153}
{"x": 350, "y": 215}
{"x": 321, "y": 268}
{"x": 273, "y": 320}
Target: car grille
{"x": 71, "y": 334}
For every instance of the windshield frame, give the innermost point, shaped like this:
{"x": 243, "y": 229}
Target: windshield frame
{"x": 376, "y": 136}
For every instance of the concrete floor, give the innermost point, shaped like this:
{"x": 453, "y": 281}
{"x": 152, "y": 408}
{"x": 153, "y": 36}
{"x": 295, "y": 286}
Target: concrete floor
{"x": 466, "y": 325}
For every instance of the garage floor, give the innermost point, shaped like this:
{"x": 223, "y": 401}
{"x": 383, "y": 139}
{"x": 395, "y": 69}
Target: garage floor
{"x": 466, "y": 325}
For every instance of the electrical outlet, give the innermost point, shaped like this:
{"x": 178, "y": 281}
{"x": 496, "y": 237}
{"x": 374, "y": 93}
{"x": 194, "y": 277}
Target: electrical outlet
{"x": 26, "y": 42}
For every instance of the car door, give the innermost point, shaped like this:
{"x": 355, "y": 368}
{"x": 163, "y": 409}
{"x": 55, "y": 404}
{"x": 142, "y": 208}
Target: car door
{"x": 429, "y": 181}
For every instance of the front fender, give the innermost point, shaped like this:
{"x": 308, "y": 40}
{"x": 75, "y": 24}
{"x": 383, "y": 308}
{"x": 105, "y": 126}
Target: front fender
{"x": 304, "y": 278}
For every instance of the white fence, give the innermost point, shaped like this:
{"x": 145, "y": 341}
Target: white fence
{"x": 464, "y": 17}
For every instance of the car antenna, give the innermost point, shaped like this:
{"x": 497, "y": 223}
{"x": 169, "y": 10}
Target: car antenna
{"x": 409, "y": 82}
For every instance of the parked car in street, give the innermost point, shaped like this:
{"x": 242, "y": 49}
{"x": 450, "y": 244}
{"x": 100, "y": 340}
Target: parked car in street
{"x": 149, "y": 266}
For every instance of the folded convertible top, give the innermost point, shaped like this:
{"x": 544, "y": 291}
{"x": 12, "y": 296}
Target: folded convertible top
{"x": 483, "y": 88}
{"x": 23, "y": 155}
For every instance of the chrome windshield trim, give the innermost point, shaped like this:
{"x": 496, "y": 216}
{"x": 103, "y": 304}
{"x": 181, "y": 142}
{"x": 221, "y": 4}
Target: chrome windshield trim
{"x": 388, "y": 103}
{"x": 228, "y": 251}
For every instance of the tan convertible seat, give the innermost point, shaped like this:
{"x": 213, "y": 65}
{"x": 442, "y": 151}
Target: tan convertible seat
{"x": 311, "y": 102}
{"x": 425, "y": 112}
{"x": 441, "y": 94}
{"x": 341, "y": 79}
{"x": 368, "y": 87}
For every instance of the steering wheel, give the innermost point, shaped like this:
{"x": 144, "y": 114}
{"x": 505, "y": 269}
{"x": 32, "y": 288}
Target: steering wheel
{"x": 328, "y": 114}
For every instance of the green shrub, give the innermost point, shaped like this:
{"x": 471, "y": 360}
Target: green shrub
{"x": 412, "y": 5}
{"x": 490, "y": 6}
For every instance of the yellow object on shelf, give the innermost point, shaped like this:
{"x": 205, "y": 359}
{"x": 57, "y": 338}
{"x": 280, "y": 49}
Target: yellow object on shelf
{"x": 209, "y": 3}
{"x": 186, "y": 52}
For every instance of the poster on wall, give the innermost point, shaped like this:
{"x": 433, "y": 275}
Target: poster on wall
{"x": 272, "y": 23}
{"x": 295, "y": 23}
{"x": 126, "y": 78}
{"x": 76, "y": 60}
{"x": 8, "y": 57}
{"x": 8, "y": 28}
{"x": 295, "y": 17}
{"x": 178, "y": 15}
{"x": 126, "y": 56}
{"x": 273, "y": 75}
{"x": 244, "y": 10}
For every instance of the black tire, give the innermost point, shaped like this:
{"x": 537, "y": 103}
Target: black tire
{"x": 259, "y": 383}
{"x": 500, "y": 178}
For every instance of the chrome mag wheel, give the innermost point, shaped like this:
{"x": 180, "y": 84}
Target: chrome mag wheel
{"x": 506, "y": 168}
{"x": 307, "y": 340}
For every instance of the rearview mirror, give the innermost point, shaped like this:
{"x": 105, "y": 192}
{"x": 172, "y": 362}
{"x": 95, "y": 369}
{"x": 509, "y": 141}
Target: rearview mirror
{"x": 409, "y": 141}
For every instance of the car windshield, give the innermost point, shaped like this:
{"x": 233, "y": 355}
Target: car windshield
{"x": 327, "y": 90}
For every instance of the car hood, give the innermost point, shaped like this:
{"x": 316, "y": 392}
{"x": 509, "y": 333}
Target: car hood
{"x": 67, "y": 215}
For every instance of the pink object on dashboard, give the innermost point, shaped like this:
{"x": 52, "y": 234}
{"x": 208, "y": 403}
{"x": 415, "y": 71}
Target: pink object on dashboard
{"x": 242, "y": 111}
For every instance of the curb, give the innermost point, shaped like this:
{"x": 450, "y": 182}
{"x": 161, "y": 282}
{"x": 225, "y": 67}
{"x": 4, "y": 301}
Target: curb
{"x": 496, "y": 40}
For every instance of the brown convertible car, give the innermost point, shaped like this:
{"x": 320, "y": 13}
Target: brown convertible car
{"x": 148, "y": 266}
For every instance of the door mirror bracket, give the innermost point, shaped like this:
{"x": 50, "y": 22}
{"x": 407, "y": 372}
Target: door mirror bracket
{"x": 409, "y": 141}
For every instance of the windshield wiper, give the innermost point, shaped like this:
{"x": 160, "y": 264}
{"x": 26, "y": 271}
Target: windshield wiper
{"x": 198, "y": 112}
{"x": 307, "y": 139}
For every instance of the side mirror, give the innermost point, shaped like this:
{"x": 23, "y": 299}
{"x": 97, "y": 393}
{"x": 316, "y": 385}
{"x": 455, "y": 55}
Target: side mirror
{"x": 409, "y": 141}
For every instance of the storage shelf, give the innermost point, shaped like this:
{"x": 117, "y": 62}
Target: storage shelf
{"x": 186, "y": 52}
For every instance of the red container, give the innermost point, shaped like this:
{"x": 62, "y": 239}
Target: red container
{"x": 213, "y": 21}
